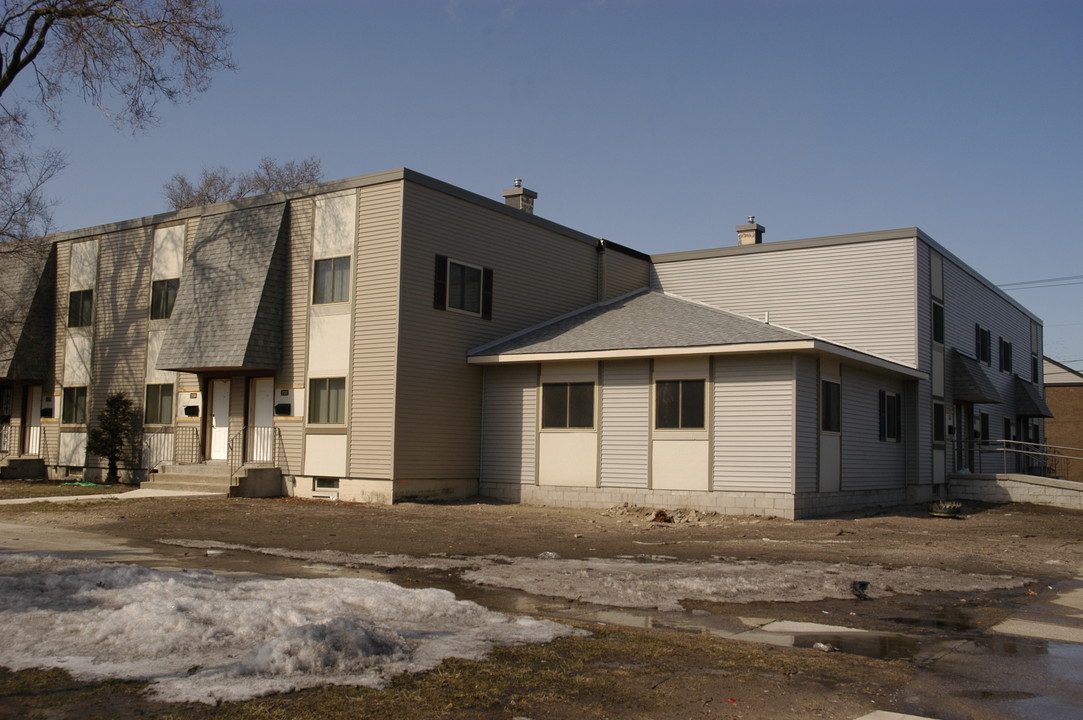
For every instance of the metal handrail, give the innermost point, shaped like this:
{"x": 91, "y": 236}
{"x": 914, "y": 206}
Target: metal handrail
{"x": 239, "y": 449}
{"x": 1028, "y": 458}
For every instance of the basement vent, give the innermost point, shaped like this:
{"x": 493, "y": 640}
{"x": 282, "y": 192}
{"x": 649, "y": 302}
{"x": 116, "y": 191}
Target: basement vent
{"x": 324, "y": 495}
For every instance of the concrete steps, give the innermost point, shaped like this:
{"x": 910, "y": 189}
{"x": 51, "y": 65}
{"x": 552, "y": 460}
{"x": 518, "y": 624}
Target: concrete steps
{"x": 211, "y": 477}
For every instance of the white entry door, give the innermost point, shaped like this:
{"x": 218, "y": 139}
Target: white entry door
{"x": 33, "y": 420}
{"x": 220, "y": 419}
{"x": 261, "y": 420}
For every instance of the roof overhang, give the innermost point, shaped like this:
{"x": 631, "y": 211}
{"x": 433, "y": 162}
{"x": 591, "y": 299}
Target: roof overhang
{"x": 969, "y": 383}
{"x": 1028, "y": 401}
{"x": 812, "y": 345}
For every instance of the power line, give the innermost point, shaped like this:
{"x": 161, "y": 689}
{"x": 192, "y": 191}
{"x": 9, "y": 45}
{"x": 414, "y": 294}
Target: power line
{"x": 1045, "y": 282}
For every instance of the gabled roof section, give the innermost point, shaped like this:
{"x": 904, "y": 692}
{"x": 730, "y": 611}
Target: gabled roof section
{"x": 641, "y": 320}
{"x": 27, "y": 292}
{"x": 1056, "y": 373}
{"x": 228, "y": 309}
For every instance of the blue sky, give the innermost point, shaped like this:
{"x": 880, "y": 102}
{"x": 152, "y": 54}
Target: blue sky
{"x": 659, "y": 124}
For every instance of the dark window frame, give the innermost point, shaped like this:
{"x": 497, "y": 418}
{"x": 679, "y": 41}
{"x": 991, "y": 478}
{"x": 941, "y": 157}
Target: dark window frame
{"x": 830, "y": 406}
{"x": 938, "y": 322}
{"x": 1006, "y": 356}
{"x": 680, "y": 404}
{"x": 155, "y": 412}
{"x": 80, "y": 308}
{"x": 983, "y": 342}
{"x": 444, "y": 289}
{"x": 333, "y": 411}
{"x": 890, "y": 416}
{"x": 163, "y": 296}
{"x": 333, "y": 284}
{"x": 939, "y": 422}
{"x": 74, "y": 405}
{"x": 568, "y": 406}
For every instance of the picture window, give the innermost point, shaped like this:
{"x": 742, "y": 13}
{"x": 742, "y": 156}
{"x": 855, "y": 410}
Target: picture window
{"x": 463, "y": 288}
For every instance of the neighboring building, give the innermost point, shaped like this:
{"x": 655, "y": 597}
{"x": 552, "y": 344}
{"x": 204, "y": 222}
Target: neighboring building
{"x": 391, "y": 336}
{"x": 1064, "y": 431}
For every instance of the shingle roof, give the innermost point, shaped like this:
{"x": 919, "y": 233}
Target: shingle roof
{"x": 642, "y": 321}
{"x": 228, "y": 309}
{"x": 969, "y": 382}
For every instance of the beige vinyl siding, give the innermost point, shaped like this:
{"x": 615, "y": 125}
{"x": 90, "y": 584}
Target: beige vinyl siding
{"x": 121, "y": 316}
{"x": 754, "y": 423}
{"x": 538, "y": 274}
{"x": 60, "y": 322}
{"x": 626, "y": 423}
{"x": 623, "y": 274}
{"x": 293, "y": 440}
{"x": 807, "y": 432}
{"x": 187, "y": 381}
{"x": 295, "y": 315}
{"x": 375, "y": 332}
{"x": 510, "y": 424}
{"x": 868, "y": 462}
{"x": 861, "y": 294}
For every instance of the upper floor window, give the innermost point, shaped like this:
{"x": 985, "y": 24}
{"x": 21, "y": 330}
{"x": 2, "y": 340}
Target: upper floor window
{"x": 1005, "y": 355}
{"x": 467, "y": 288}
{"x": 830, "y": 406}
{"x": 939, "y": 422}
{"x": 568, "y": 405}
{"x": 680, "y": 404}
{"x": 938, "y": 322}
{"x": 80, "y": 308}
{"x": 73, "y": 409}
{"x": 890, "y": 417}
{"x": 331, "y": 281}
{"x": 163, "y": 293}
{"x": 983, "y": 342}
{"x": 327, "y": 400}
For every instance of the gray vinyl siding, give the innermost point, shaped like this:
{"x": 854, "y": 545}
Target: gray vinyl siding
{"x": 375, "y": 331}
{"x": 121, "y": 316}
{"x": 860, "y": 294}
{"x": 868, "y": 463}
{"x": 626, "y": 423}
{"x": 191, "y": 228}
{"x": 753, "y": 423}
{"x": 295, "y": 329}
{"x": 60, "y": 321}
{"x": 538, "y": 274}
{"x": 623, "y": 273}
{"x": 919, "y": 422}
{"x": 807, "y": 412}
{"x": 510, "y": 424}
{"x": 968, "y": 301}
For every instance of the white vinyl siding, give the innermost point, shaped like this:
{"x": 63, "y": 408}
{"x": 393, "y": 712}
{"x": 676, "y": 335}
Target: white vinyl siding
{"x": 625, "y": 412}
{"x": 509, "y": 424}
{"x": 857, "y": 294}
{"x": 754, "y": 423}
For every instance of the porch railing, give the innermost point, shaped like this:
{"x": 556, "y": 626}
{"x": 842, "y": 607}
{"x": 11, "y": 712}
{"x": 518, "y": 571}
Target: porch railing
{"x": 255, "y": 445}
{"x": 187, "y": 445}
{"x": 1017, "y": 456}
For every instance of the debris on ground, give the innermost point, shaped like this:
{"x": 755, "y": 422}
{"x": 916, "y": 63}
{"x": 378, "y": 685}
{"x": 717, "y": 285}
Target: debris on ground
{"x": 860, "y": 589}
{"x": 661, "y": 517}
{"x": 680, "y": 515}
{"x": 823, "y": 647}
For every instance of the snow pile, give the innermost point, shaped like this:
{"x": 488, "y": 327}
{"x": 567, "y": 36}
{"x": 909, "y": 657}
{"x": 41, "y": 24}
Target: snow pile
{"x": 200, "y": 637}
{"x": 660, "y": 581}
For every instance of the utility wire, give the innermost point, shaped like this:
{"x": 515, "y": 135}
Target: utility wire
{"x": 1045, "y": 282}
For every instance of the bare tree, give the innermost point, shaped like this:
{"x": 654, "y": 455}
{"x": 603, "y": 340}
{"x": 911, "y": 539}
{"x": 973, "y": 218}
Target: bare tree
{"x": 132, "y": 51}
{"x": 218, "y": 184}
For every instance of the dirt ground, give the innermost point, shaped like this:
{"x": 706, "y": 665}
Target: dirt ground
{"x": 690, "y": 676}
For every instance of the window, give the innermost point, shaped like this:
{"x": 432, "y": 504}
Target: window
{"x": 80, "y": 308}
{"x": 158, "y": 409}
{"x": 1005, "y": 355}
{"x": 327, "y": 401}
{"x": 938, "y": 322}
{"x": 466, "y": 288}
{"x": 568, "y": 405}
{"x": 1008, "y": 429}
{"x": 1034, "y": 366}
{"x": 983, "y": 427}
{"x": 331, "y": 282}
{"x": 679, "y": 404}
{"x": 163, "y": 293}
{"x": 74, "y": 410}
{"x": 983, "y": 341}
{"x": 830, "y": 409}
{"x": 890, "y": 417}
{"x": 938, "y": 422}
{"x": 323, "y": 483}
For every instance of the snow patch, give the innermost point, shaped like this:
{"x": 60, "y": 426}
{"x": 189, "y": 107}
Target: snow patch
{"x": 196, "y": 636}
